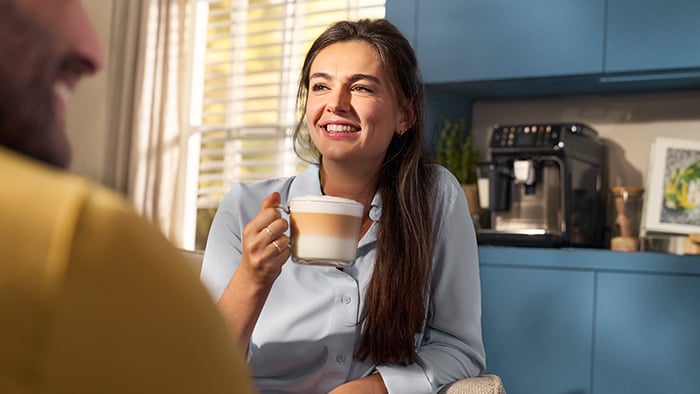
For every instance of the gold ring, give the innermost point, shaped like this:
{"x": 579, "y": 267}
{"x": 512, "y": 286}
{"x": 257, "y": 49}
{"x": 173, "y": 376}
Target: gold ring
{"x": 277, "y": 246}
{"x": 272, "y": 236}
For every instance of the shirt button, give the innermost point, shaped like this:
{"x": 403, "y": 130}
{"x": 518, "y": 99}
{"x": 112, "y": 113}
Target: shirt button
{"x": 340, "y": 359}
{"x": 347, "y": 300}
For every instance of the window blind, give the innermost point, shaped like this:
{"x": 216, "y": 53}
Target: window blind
{"x": 245, "y": 78}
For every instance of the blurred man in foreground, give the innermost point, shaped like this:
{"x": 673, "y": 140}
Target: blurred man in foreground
{"x": 92, "y": 298}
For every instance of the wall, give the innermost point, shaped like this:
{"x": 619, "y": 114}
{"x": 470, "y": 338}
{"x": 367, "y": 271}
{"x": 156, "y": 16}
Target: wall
{"x": 86, "y": 118}
{"x": 627, "y": 123}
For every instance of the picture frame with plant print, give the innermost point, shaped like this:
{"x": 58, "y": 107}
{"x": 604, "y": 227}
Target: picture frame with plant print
{"x": 672, "y": 202}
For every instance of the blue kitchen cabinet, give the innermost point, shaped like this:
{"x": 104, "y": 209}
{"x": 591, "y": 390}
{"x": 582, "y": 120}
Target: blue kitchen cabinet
{"x": 537, "y": 328}
{"x": 511, "y": 48}
{"x": 581, "y": 321}
{"x": 652, "y": 35}
{"x": 481, "y": 40}
{"x": 402, "y": 13}
{"x": 647, "y": 334}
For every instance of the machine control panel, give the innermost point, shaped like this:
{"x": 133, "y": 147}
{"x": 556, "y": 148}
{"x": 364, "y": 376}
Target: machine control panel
{"x": 547, "y": 136}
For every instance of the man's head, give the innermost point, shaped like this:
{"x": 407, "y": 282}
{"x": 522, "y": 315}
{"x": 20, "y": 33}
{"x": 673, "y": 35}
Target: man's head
{"x": 46, "y": 46}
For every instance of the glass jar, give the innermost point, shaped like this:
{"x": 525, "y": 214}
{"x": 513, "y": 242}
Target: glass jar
{"x": 627, "y": 205}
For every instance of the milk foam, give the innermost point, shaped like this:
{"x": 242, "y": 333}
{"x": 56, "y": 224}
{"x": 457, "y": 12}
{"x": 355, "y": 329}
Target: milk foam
{"x": 326, "y": 204}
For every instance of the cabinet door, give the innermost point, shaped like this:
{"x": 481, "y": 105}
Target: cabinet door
{"x": 474, "y": 40}
{"x": 645, "y": 35}
{"x": 646, "y": 334}
{"x": 538, "y": 328}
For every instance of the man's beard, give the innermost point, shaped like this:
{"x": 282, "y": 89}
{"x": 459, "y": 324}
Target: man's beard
{"x": 28, "y": 122}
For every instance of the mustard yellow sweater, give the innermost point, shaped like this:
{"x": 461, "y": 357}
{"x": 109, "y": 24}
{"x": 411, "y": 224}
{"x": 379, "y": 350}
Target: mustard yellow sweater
{"x": 95, "y": 300}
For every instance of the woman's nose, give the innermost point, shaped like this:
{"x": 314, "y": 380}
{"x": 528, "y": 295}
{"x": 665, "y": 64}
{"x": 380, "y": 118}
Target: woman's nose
{"x": 339, "y": 101}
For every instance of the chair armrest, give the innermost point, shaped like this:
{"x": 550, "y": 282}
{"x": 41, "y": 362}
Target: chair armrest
{"x": 483, "y": 384}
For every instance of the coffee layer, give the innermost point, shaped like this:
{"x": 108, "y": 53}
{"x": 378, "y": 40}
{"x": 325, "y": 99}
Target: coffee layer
{"x": 341, "y": 226}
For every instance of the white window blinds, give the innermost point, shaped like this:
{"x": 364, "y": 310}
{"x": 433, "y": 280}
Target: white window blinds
{"x": 245, "y": 74}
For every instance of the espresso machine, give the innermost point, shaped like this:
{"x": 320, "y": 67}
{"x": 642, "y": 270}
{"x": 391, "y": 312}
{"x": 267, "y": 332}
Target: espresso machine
{"x": 544, "y": 186}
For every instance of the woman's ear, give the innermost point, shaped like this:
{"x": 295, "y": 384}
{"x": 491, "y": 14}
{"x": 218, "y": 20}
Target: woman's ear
{"x": 407, "y": 119}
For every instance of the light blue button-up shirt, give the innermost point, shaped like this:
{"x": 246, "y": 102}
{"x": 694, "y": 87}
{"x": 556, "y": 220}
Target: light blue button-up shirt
{"x": 308, "y": 330}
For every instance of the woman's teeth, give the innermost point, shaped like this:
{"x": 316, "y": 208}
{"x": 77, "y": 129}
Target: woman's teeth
{"x": 338, "y": 128}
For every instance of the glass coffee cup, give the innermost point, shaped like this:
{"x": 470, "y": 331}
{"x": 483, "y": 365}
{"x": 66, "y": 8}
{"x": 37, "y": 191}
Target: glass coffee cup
{"x": 324, "y": 230}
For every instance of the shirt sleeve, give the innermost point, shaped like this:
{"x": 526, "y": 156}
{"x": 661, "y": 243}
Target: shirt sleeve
{"x": 451, "y": 347}
{"x": 223, "y": 252}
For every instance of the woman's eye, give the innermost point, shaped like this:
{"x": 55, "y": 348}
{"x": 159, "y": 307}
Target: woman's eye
{"x": 318, "y": 87}
{"x": 362, "y": 88}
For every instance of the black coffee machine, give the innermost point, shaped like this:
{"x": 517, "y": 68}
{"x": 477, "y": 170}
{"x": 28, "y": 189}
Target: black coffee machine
{"x": 544, "y": 186}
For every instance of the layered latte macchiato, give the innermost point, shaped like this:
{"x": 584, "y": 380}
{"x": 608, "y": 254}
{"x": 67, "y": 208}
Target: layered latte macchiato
{"x": 324, "y": 230}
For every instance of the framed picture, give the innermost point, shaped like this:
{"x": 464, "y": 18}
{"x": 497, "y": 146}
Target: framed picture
{"x": 672, "y": 202}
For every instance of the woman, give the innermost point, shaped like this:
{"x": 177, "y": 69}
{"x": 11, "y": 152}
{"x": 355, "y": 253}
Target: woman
{"x": 406, "y": 317}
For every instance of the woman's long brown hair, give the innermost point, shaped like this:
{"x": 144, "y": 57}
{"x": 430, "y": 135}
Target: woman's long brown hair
{"x": 398, "y": 293}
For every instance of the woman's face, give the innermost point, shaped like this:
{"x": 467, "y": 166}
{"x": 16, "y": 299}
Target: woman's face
{"x": 352, "y": 111}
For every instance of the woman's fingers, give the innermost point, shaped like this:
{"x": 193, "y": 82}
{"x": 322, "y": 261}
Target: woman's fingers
{"x": 265, "y": 247}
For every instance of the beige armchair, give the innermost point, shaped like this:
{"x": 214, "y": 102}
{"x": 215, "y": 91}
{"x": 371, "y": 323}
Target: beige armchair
{"x": 484, "y": 384}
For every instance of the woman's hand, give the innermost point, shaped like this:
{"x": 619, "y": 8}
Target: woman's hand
{"x": 265, "y": 247}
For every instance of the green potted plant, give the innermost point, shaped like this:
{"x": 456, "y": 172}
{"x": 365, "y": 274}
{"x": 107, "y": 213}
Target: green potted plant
{"x": 456, "y": 152}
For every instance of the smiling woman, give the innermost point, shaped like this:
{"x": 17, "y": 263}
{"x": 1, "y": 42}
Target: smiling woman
{"x": 388, "y": 322}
